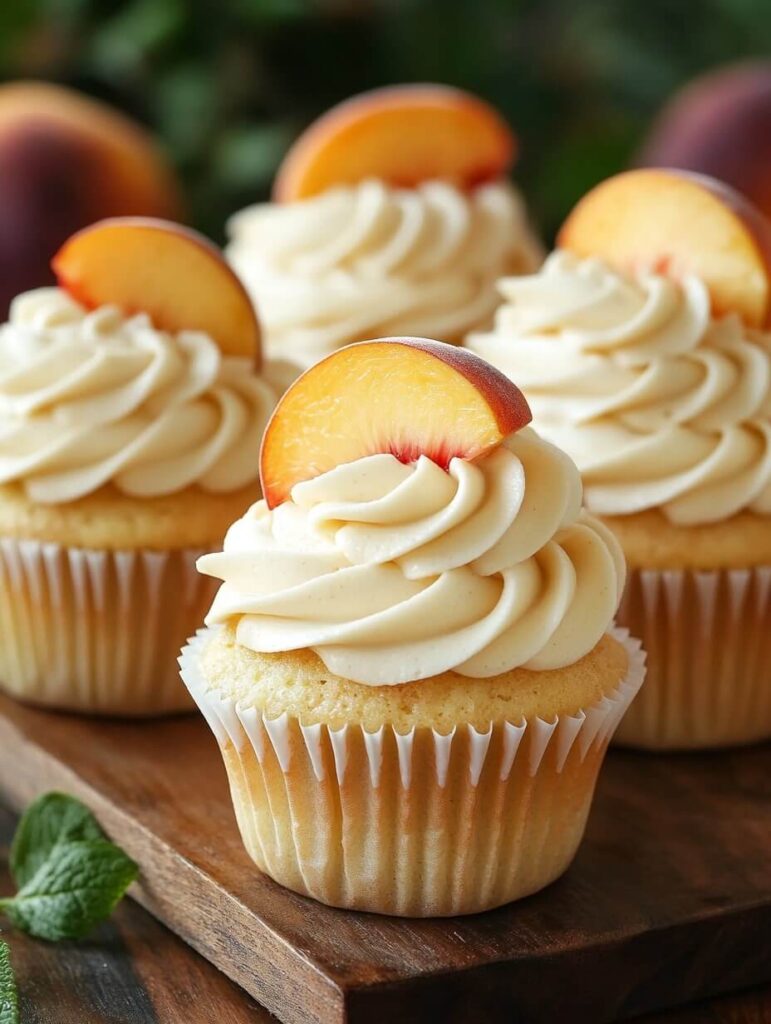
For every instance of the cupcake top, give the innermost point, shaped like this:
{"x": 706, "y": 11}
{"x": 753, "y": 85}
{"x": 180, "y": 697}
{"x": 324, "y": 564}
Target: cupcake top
{"x": 90, "y": 397}
{"x": 661, "y": 403}
{"x": 391, "y": 215}
{"x": 373, "y": 260}
{"x": 398, "y": 569}
{"x": 140, "y": 371}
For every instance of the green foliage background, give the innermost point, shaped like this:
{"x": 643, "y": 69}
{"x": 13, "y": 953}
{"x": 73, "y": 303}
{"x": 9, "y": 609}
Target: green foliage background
{"x": 227, "y": 84}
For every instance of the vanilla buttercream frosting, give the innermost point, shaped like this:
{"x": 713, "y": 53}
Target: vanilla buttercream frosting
{"x": 372, "y": 261}
{"x": 395, "y": 572}
{"x": 89, "y": 398}
{"x": 661, "y": 404}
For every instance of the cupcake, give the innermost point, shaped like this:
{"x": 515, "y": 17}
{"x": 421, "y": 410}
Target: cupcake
{"x": 392, "y": 215}
{"x": 643, "y": 349}
{"x": 130, "y": 412}
{"x": 410, "y": 666}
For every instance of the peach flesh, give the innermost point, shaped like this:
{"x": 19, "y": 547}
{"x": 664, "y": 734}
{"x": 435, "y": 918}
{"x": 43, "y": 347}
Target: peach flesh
{"x": 679, "y": 222}
{"x": 402, "y": 134}
{"x": 165, "y": 270}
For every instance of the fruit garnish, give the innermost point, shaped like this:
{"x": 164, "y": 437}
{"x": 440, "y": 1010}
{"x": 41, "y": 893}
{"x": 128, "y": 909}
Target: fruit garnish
{"x": 171, "y": 273}
{"x": 679, "y": 223}
{"x": 404, "y": 396}
{"x": 402, "y": 135}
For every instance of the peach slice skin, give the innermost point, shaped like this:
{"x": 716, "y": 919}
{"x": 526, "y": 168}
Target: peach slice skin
{"x": 684, "y": 223}
{"x": 403, "y": 135}
{"x": 171, "y": 273}
{"x": 406, "y": 396}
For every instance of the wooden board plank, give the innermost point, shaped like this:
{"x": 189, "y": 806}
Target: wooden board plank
{"x": 134, "y": 971}
{"x": 668, "y": 901}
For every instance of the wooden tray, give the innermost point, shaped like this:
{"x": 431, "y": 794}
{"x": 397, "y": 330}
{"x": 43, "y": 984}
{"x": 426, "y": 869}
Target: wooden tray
{"x": 668, "y": 901}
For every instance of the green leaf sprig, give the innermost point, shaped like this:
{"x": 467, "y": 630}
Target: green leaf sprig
{"x": 9, "y": 1000}
{"x": 70, "y": 876}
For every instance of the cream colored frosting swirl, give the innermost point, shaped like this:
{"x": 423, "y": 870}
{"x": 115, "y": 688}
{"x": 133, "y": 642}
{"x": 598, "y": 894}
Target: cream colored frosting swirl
{"x": 88, "y": 398}
{"x": 660, "y": 404}
{"x": 394, "y": 573}
{"x": 371, "y": 261}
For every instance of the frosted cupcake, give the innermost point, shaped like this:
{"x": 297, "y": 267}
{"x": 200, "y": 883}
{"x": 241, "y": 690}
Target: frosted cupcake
{"x": 410, "y": 667}
{"x": 642, "y": 350}
{"x": 127, "y": 445}
{"x": 392, "y": 216}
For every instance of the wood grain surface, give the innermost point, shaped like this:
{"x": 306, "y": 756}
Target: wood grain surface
{"x": 668, "y": 901}
{"x": 134, "y": 971}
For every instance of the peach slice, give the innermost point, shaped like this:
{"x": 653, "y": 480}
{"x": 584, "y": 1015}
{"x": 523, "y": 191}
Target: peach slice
{"x": 682, "y": 223}
{"x": 169, "y": 272}
{"x": 403, "y": 135}
{"x": 406, "y": 396}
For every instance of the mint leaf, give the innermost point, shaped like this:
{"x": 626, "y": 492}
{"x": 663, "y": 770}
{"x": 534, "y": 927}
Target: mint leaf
{"x": 9, "y": 1002}
{"x": 71, "y": 875}
{"x": 52, "y": 819}
{"x": 76, "y": 888}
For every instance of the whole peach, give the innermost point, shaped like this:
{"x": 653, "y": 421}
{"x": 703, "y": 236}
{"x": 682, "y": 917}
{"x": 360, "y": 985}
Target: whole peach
{"x": 720, "y": 125}
{"x": 66, "y": 161}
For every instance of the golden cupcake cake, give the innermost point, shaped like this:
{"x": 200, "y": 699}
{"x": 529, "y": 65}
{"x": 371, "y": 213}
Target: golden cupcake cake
{"x": 410, "y": 667}
{"x": 392, "y": 214}
{"x": 131, "y": 409}
{"x": 644, "y": 351}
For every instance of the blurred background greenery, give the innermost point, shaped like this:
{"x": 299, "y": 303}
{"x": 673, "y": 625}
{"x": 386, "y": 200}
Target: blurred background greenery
{"x": 227, "y": 84}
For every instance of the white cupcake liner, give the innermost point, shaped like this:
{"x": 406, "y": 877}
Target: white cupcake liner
{"x": 418, "y": 823}
{"x": 708, "y": 639}
{"x": 97, "y": 630}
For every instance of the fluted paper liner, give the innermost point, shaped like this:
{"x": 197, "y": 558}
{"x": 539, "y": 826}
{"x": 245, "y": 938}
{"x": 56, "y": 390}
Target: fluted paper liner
{"x": 97, "y": 631}
{"x": 415, "y": 824}
{"x": 708, "y": 640}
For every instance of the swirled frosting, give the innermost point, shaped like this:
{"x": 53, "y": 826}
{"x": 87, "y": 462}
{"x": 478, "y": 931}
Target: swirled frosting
{"x": 88, "y": 398}
{"x": 371, "y": 261}
{"x": 393, "y": 573}
{"x": 660, "y": 404}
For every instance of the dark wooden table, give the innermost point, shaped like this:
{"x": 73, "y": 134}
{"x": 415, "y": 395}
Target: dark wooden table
{"x": 134, "y": 971}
